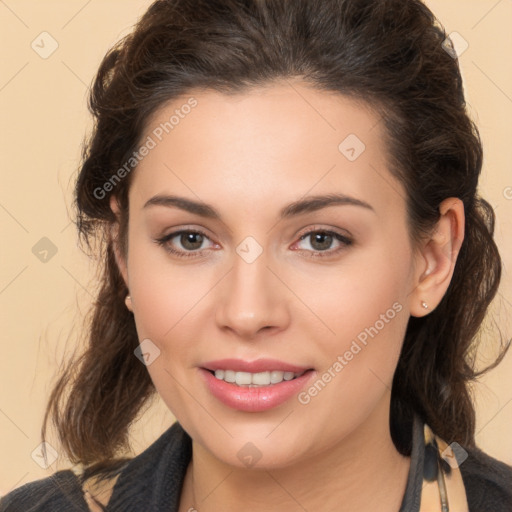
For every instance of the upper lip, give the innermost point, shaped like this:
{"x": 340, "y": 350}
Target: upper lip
{"x": 257, "y": 366}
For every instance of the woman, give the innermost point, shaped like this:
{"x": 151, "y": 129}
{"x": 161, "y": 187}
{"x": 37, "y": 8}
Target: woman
{"x": 295, "y": 259}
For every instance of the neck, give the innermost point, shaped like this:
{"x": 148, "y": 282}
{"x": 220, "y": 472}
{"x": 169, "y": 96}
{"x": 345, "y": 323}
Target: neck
{"x": 363, "y": 472}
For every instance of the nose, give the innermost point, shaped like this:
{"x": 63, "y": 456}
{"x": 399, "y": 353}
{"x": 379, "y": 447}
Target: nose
{"x": 252, "y": 300}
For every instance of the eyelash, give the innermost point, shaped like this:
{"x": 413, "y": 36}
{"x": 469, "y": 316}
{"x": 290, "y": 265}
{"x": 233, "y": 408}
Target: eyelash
{"x": 345, "y": 241}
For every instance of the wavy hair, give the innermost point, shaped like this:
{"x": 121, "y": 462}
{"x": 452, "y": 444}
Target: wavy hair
{"x": 390, "y": 54}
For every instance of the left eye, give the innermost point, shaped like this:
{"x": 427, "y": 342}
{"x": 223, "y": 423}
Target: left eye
{"x": 321, "y": 241}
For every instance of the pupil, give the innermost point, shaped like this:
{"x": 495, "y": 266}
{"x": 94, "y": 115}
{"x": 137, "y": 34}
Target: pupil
{"x": 319, "y": 237}
{"x": 187, "y": 240}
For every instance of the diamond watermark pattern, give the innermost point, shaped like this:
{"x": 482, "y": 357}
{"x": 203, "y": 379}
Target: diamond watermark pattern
{"x": 44, "y": 45}
{"x": 352, "y": 147}
{"x": 455, "y": 455}
{"x": 44, "y": 250}
{"x": 147, "y": 352}
{"x": 455, "y": 45}
{"x": 38, "y": 455}
{"x": 249, "y": 249}
{"x": 249, "y": 454}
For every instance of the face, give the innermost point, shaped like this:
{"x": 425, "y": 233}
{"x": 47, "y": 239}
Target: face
{"x": 265, "y": 239}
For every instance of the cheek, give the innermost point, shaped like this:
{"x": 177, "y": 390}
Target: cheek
{"x": 167, "y": 303}
{"x": 365, "y": 310}
{"x": 368, "y": 289}
{"x": 165, "y": 294}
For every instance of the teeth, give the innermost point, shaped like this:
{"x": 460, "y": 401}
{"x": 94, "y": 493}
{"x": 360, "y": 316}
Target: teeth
{"x": 276, "y": 376}
{"x": 255, "y": 379}
{"x": 260, "y": 379}
{"x": 243, "y": 378}
{"x": 229, "y": 376}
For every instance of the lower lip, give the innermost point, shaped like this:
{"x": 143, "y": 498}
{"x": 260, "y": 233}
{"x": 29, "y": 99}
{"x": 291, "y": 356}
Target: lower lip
{"x": 255, "y": 399}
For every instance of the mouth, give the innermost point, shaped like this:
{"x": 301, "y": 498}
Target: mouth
{"x": 254, "y": 386}
{"x": 254, "y": 380}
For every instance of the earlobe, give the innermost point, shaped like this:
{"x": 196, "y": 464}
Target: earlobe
{"x": 437, "y": 258}
{"x": 114, "y": 238}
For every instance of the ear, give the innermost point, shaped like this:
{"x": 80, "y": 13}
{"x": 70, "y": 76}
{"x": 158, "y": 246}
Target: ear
{"x": 114, "y": 236}
{"x": 436, "y": 258}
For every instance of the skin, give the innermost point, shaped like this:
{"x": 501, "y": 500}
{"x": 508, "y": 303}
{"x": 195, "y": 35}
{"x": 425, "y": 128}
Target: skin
{"x": 248, "y": 156}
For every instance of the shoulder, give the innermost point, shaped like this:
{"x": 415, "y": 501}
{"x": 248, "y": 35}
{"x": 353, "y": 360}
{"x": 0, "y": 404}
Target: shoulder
{"x": 154, "y": 474}
{"x": 488, "y": 482}
{"x": 154, "y": 478}
{"x": 59, "y": 492}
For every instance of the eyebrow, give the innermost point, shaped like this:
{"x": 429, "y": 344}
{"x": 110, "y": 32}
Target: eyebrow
{"x": 305, "y": 205}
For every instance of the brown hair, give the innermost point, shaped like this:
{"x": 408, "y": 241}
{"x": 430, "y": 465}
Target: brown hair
{"x": 387, "y": 53}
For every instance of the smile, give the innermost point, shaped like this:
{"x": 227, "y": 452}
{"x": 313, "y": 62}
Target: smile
{"x": 254, "y": 386}
{"x": 266, "y": 378}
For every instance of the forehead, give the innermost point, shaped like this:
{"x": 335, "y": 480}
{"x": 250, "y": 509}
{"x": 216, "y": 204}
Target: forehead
{"x": 290, "y": 111}
{"x": 284, "y": 137}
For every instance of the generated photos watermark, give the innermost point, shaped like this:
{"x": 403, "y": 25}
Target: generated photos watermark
{"x": 355, "y": 348}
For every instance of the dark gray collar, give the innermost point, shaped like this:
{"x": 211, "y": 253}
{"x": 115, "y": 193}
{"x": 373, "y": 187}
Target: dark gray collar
{"x": 412, "y": 497}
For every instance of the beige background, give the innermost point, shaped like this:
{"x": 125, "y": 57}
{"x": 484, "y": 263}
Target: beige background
{"x": 44, "y": 118}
